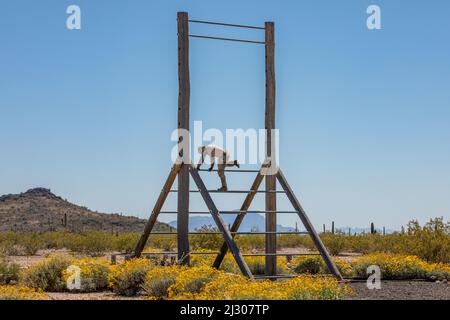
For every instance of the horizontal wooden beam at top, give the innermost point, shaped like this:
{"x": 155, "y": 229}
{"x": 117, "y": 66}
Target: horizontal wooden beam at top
{"x": 233, "y": 212}
{"x": 226, "y": 39}
{"x": 238, "y": 191}
{"x": 238, "y": 232}
{"x": 227, "y": 24}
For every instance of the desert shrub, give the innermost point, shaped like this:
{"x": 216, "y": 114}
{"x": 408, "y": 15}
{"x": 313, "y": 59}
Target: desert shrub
{"x": 8, "y": 244}
{"x": 344, "y": 267}
{"x": 317, "y": 288}
{"x": 316, "y": 265}
{"x": 126, "y": 242}
{"x": 48, "y": 274}
{"x": 438, "y": 271}
{"x": 294, "y": 241}
{"x": 128, "y": 277}
{"x": 206, "y": 241}
{"x": 159, "y": 279}
{"x": 308, "y": 264}
{"x": 432, "y": 241}
{"x": 31, "y": 243}
{"x": 94, "y": 243}
{"x": 9, "y": 272}
{"x": 228, "y": 286}
{"x": 163, "y": 242}
{"x": 250, "y": 242}
{"x": 94, "y": 274}
{"x": 257, "y": 265}
{"x": 236, "y": 287}
{"x": 21, "y": 293}
{"x": 335, "y": 243}
{"x": 192, "y": 281}
{"x": 20, "y": 243}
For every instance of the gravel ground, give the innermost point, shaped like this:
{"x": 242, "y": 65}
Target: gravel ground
{"x": 402, "y": 290}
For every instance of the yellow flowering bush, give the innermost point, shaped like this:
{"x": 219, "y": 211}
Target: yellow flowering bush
{"x": 256, "y": 264}
{"x": 228, "y": 264}
{"x": 228, "y": 286}
{"x": 392, "y": 266}
{"x": 159, "y": 279}
{"x": 94, "y": 274}
{"x": 313, "y": 288}
{"x": 307, "y": 264}
{"x": 21, "y": 293}
{"x": 48, "y": 274}
{"x": 192, "y": 281}
{"x": 438, "y": 271}
{"x": 316, "y": 265}
{"x": 127, "y": 278}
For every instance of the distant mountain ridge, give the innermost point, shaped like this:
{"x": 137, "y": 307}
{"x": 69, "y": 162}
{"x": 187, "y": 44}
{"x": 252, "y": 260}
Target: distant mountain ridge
{"x": 40, "y": 210}
{"x": 251, "y": 222}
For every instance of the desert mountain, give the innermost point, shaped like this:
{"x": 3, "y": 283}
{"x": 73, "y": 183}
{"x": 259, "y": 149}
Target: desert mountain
{"x": 40, "y": 210}
{"x": 251, "y": 222}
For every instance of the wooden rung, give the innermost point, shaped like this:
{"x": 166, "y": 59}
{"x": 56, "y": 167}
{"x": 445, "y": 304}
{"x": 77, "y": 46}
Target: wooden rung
{"x": 233, "y": 212}
{"x": 229, "y": 170}
{"x": 278, "y": 254}
{"x": 237, "y": 191}
{"x": 226, "y": 24}
{"x": 176, "y": 253}
{"x": 288, "y": 276}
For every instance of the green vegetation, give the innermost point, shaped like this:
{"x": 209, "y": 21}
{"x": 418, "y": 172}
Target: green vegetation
{"x": 430, "y": 242}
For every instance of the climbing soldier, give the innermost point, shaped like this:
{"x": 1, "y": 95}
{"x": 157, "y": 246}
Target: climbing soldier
{"x": 222, "y": 157}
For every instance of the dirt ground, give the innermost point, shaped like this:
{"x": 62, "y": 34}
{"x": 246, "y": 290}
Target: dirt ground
{"x": 390, "y": 290}
{"x": 402, "y": 290}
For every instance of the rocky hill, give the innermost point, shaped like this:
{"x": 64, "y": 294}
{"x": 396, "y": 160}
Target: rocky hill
{"x": 40, "y": 210}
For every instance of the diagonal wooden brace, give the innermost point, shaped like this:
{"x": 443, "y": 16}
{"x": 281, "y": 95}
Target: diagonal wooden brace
{"x": 308, "y": 225}
{"x": 156, "y": 209}
{"x": 240, "y": 217}
{"x": 220, "y": 224}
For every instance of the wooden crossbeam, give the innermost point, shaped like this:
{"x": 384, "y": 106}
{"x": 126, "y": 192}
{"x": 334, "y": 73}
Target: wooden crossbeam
{"x": 220, "y": 223}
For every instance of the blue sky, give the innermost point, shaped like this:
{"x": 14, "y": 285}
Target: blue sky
{"x": 363, "y": 115}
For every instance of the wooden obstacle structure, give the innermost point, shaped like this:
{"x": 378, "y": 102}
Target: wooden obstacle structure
{"x": 184, "y": 170}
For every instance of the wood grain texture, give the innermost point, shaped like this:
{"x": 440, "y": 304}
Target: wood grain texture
{"x": 240, "y": 217}
{"x": 156, "y": 210}
{"x": 221, "y": 224}
{"x": 308, "y": 225}
{"x": 183, "y": 124}
{"x": 271, "y": 200}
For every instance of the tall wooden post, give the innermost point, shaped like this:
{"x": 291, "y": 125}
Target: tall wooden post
{"x": 183, "y": 124}
{"x": 271, "y": 182}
